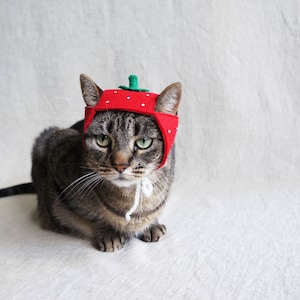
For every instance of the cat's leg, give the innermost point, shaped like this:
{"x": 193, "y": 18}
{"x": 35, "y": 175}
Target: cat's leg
{"x": 101, "y": 234}
{"x": 109, "y": 241}
{"x": 153, "y": 233}
{"x": 72, "y": 222}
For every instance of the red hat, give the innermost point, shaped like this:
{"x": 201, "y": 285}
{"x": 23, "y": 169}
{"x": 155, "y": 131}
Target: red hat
{"x": 139, "y": 101}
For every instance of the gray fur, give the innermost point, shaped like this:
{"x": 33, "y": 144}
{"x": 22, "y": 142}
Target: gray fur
{"x": 82, "y": 190}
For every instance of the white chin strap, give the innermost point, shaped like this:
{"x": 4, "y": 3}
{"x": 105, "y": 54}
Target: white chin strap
{"x": 144, "y": 186}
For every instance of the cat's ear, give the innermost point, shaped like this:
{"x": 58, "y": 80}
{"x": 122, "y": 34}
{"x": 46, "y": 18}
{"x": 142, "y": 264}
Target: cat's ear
{"x": 90, "y": 91}
{"x": 169, "y": 99}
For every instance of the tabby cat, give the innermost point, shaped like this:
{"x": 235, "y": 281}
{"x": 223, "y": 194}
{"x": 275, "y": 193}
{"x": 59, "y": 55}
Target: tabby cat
{"x": 113, "y": 187}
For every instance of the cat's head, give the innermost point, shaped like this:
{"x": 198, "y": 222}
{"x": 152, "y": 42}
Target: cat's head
{"x": 125, "y": 145}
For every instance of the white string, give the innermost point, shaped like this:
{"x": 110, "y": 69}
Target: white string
{"x": 136, "y": 202}
{"x": 146, "y": 187}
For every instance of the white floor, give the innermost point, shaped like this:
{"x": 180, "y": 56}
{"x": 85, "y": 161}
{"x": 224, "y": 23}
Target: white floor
{"x": 229, "y": 245}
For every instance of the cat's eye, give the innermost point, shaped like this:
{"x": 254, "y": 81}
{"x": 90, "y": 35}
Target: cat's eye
{"x": 103, "y": 140}
{"x": 144, "y": 143}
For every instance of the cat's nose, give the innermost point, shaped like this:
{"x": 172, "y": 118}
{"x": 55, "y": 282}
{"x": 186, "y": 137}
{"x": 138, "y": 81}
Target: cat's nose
{"x": 121, "y": 167}
{"x": 120, "y": 160}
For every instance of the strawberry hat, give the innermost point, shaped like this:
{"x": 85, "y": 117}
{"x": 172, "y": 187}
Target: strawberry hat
{"x": 134, "y": 99}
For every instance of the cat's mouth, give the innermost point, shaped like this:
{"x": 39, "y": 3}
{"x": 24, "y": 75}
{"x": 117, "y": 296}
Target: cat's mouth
{"x": 123, "y": 180}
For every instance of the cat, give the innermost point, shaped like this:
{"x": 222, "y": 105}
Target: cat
{"x": 105, "y": 183}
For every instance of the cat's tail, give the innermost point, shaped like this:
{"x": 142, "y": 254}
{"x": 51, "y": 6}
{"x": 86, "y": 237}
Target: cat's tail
{"x": 25, "y": 188}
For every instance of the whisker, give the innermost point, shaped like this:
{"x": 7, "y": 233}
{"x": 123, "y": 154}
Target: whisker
{"x": 96, "y": 182}
{"x": 158, "y": 187}
{"x": 74, "y": 183}
{"x": 85, "y": 183}
{"x": 87, "y": 186}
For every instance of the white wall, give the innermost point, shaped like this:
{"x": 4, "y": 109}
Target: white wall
{"x": 238, "y": 62}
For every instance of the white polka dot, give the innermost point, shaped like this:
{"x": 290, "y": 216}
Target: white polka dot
{"x": 147, "y": 95}
{"x": 143, "y": 104}
{"x": 115, "y": 92}
{"x": 128, "y": 97}
{"x": 107, "y": 101}
{"x": 169, "y": 130}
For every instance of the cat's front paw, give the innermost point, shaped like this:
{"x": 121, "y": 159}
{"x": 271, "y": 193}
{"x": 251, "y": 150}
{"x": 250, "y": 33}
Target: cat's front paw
{"x": 110, "y": 243}
{"x": 153, "y": 234}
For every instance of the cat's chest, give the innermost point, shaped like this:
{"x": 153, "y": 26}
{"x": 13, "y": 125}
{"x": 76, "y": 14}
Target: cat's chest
{"x": 125, "y": 209}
